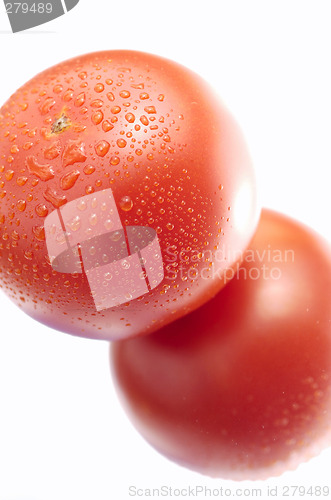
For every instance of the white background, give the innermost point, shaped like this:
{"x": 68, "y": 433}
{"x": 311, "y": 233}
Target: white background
{"x": 63, "y": 435}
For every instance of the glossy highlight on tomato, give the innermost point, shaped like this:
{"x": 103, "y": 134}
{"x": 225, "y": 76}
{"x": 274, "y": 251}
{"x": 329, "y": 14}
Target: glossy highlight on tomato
{"x": 241, "y": 387}
{"x": 153, "y": 137}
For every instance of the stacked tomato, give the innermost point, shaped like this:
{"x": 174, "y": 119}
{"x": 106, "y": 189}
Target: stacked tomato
{"x": 127, "y": 203}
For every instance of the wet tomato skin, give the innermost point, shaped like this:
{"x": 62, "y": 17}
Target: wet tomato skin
{"x": 241, "y": 387}
{"x": 156, "y": 135}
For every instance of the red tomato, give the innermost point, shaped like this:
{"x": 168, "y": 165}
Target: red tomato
{"x": 119, "y": 140}
{"x": 241, "y": 387}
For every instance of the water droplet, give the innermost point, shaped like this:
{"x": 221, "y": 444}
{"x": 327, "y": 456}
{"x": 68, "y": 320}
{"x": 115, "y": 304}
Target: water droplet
{"x": 125, "y": 94}
{"x": 68, "y": 95}
{"x": 15, "y": 235}
{"x": 161, "y": 97}
{"x": 21, "y": 205}
{"x": 53, "y": 151}
{"x": 139, "y": 86}
{"x": 110, "y": 96}
{"x": 81, "y": 205}
{"x": 93, "y": 219}
{"x": 105, "y": 259}
{"x": 106, "y": 126}
{"x": 130, "y": 117}
{"x": 121, "y": 143}
{"x": 220, "y": 187}
{"x": 170, "y": 226}
{"x": 44, "y": 172}
{"x": 114, "y": 160}
{"x": 108, "y": 224}
{"x": 68, "y": 180}
{"x": 99, "y": 87}
{"x": 150, "y": 110}
{"x": 82, "y": 75}
{"x": 144, "y": 120}
{"x": 54, "y": 197}
{"x": 28, "y": 255}
{"x": 57, "y": 89}
{"x": 125, "y": 264}
{"x": 80, "y": 99}
{"x": 97, "y": 103}
{"x": 74, "y": 152}
{"x": 39, "y": 232}
{"x": 143, "y": 96}
{"x": 9, "y": 174}
{"x": 97, "y": 117}
{"x": 128, "y": 296}
{"x": 41, "y": 210}
{"x": 27, "y": 145}
{"x": 126, "y": 203}
{"x": 115, "y": 110}
{"x": 108, "y": 276}
{"x": 89, "y": 169}
{"x": 75, "y": 223}
{"x": 102, "y": 148}
{"x": 21, "y": 181}
{"x": 116, "y": 235}
{"x": 47, "y": 105}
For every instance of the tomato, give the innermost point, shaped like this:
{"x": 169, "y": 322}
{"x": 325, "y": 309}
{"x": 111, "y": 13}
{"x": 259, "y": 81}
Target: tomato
{"x": 241, "y": 387}
{"x": 119, "y": 171}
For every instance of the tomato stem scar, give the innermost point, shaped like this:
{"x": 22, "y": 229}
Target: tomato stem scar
{"x": 61, "y": 124}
